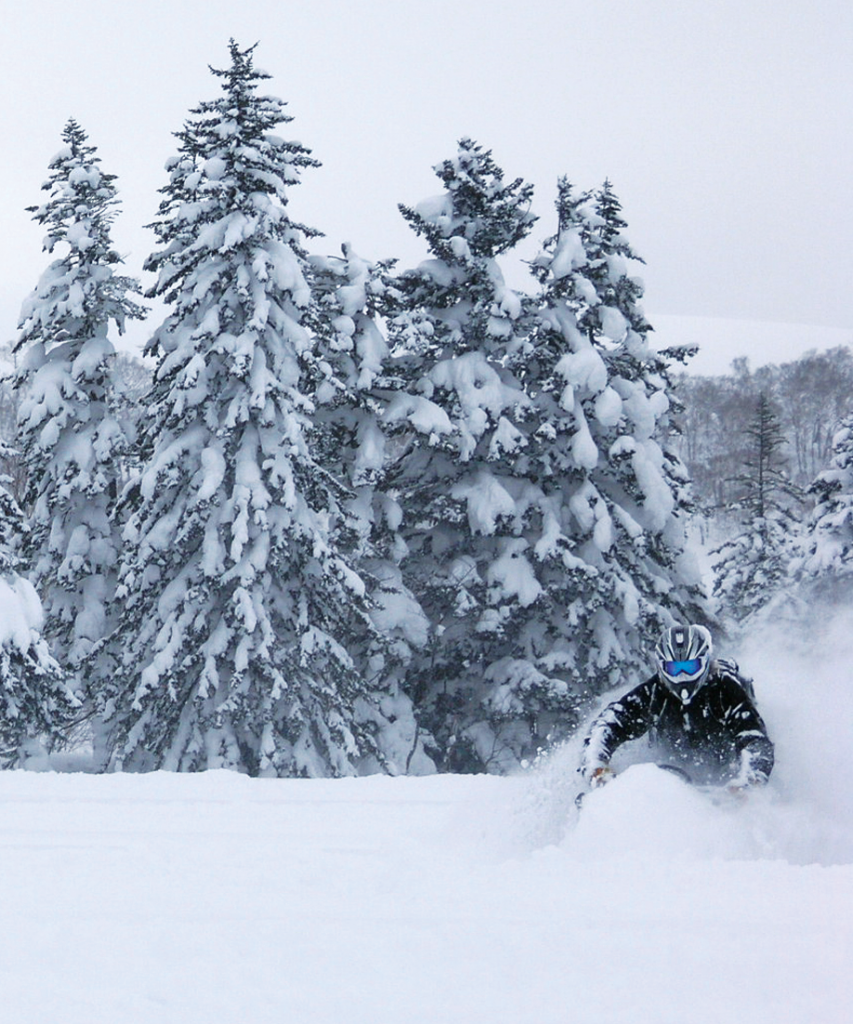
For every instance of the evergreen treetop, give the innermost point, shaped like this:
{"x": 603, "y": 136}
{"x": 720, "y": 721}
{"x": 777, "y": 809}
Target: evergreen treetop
{"x": 458, "y": 297}
{"x": 80, "y": 293}
{"x": 229, "y": 183}
{"x": 752, "y": 567}
{"x": 70, "y": 439}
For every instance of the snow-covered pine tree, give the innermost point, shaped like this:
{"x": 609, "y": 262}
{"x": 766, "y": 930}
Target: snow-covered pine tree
{"x": 36, "y": 704}
{"x": 348, "y": 439}
{"x": 352, "y": 356}
{"x": 609, "y": 501}
{"x": 69, "y": 436}
{"x": 238, "y": 608}
{"x": 754, "y": 564}
{"x": 454, "y": 419}
{"x": 826, "y": 563}
{"x": 615, "y": 307}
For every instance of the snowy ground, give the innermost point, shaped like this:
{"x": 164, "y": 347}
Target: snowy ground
{"x": 219, "y": 899}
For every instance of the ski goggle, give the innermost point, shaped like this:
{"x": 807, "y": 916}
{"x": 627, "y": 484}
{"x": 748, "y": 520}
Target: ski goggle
{"x": 673, "y": 669}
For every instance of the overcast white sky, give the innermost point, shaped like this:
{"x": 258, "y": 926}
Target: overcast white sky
{"x": 725, "y": 125}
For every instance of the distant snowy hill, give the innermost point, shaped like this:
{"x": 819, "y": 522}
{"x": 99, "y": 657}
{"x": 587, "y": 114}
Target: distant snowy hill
{"x": 721, "y": 340}
{"x": 211, "y": 897}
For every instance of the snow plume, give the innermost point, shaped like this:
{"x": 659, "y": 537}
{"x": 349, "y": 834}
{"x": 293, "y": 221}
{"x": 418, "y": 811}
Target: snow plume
{"x": 803, "y": 678}
{"x": 804, "y": 816}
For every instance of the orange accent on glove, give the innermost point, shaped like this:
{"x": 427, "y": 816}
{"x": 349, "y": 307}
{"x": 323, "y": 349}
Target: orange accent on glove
{"x": 601, "y": 776}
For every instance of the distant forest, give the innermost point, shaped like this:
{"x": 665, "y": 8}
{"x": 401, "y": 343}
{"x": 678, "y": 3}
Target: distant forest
{"x": 810, "y": 396}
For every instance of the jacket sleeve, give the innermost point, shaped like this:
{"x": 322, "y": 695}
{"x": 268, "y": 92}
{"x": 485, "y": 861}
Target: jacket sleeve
{"x": 753, "y": 745}
{"x": 622, "y": 720}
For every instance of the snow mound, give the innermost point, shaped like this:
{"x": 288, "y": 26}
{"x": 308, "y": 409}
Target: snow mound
{"x": 651, "y": 814}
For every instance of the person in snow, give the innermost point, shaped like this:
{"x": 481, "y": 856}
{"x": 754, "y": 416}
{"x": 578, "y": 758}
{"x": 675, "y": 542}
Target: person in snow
{"x": 698, "y": 712}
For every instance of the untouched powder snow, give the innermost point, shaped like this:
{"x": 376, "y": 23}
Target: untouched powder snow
{"x": 217, "y": 898}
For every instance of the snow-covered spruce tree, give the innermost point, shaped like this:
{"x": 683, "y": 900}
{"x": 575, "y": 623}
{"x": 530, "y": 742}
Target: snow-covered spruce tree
{"x": 69, "y": 436}
{"x": 608, "y": 503}
{"x": 36, "y": 704}
{"x": 345, "y": 380}
{"x": 452, "y": 496}
{"x": 238, "y": 606}
{"x": 825, "y": 565}
{"x": 754, "y": 564}
{"x": 348, "y": 439}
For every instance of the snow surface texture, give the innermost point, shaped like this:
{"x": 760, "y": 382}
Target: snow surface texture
{"x": 214, "y": 897}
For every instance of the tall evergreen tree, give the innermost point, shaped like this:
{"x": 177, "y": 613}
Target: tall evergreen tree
{"x": 349, "y": 438}
{"x": 559, "y": 534}
{"x": 451, "y": 414}
{"x": 239, "y": 605}
{"x": 608, "y": 524}
{"x": 69, "y": 435}
{"x": 752, "y": 566}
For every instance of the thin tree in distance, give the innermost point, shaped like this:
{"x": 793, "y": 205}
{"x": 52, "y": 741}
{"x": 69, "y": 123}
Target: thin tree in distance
{"x": 751, "y": 567}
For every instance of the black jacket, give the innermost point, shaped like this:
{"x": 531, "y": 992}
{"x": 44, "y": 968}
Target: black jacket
{"x": 718, "y": 737}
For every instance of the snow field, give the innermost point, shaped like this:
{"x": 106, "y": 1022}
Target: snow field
{"x": 212, "y": 897}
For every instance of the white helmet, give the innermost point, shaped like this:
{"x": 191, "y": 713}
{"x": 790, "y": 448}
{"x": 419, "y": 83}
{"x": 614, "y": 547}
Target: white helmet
{"x": 683, "y": 656}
